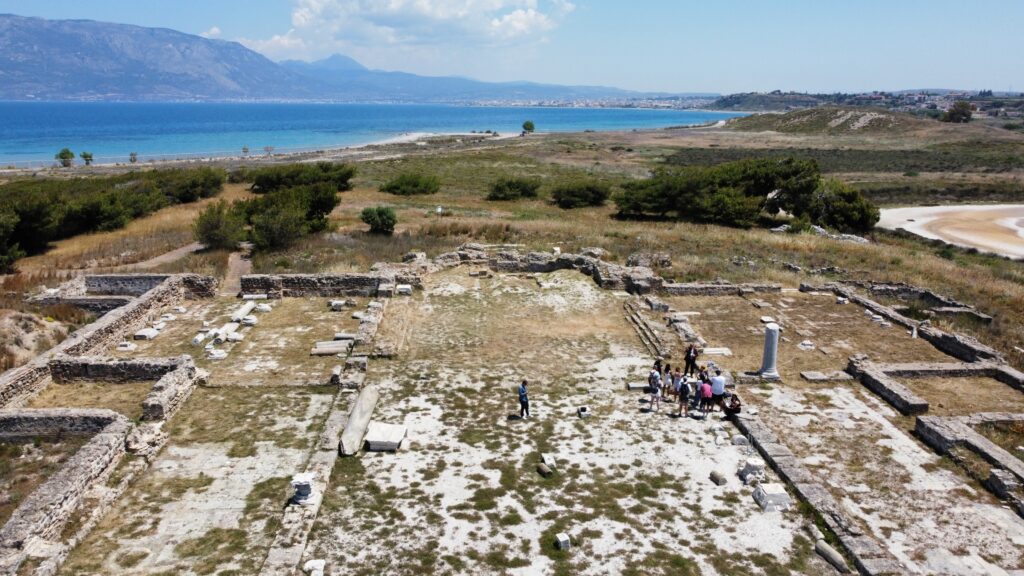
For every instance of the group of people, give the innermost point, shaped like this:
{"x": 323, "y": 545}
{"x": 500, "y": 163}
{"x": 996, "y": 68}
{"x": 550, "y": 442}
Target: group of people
{"x": 695, "y": 387}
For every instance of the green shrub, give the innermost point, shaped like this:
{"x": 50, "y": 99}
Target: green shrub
{"x": 273, "y": 178}
{"x": 836, "y": 205}
{"x": 513, "y": 189}
{"x": 579, "y": 194}
{"x": 279, "y": 226}
{"x": 381, "y": 219}
{"x": 412, "y": 184}
{"x": 9, "y": 249}
{"x": 219, "y": 226}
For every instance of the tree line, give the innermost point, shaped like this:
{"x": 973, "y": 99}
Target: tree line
{"x": 36, "y": 212}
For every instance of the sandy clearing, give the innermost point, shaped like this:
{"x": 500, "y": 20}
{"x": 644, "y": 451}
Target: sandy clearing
{"x": 996, "y": 228}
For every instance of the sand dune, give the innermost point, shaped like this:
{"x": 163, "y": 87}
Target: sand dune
{"x": 996, "y": 228}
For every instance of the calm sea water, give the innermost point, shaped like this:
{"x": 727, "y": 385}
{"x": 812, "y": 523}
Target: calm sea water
{"x": 31, "y": 133}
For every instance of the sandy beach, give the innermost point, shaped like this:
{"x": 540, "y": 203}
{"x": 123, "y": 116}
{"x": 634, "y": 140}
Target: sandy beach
{"x": 996, "y": 228}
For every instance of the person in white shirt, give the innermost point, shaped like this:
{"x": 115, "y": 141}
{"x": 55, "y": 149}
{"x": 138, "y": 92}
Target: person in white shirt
{"x": 718, "y": 393}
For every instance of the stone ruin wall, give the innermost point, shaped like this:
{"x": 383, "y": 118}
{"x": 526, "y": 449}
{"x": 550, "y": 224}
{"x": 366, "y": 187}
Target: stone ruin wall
{"x": 321, "y": 285}
{"x": 959, "y": 346}
{"x": 123, "y": 284}
{"x": 175, "y": 378}
{"x": 106, "y": 331}
{"x": 47, "y": 509}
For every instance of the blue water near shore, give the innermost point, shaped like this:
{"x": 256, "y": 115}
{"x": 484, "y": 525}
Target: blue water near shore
{"x": 31, "y": 133}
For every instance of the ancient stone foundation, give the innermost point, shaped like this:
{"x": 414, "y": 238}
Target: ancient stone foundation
{"x": 107, "y": 330}
{"x": 44, "y": 512}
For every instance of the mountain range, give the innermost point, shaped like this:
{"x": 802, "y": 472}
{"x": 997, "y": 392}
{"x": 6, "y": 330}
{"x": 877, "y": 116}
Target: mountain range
{"x": 57, "y": 60}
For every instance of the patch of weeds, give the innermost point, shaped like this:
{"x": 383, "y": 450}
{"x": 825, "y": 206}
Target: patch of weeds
{"x": 130, "y": 559}
{"x": 217, "y": 547}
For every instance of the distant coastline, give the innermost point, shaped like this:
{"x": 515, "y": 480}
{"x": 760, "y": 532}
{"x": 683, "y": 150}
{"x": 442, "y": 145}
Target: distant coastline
{"x": 32, "y": 132}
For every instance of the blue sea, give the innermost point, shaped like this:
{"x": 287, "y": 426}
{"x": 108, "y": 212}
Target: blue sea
{"x": 31, "y": 133}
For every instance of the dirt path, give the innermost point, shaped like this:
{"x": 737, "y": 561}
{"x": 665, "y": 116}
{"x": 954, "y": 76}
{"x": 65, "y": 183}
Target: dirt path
{"x": 239, "y": 264}
{"x": 165, "y": 258}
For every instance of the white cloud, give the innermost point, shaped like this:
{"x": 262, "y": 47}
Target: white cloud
{"x": 321, "y": 27}
{"x": 213, "y": 32}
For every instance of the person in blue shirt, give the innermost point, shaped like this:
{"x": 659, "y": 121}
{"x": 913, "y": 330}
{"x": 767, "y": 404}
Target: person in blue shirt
{"x": 524, "y": 401}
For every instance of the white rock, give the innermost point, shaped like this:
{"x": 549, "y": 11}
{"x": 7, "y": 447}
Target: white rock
{"x": 127, "y": 346}
{"x": 562, "y": 541}
{"x": 198, "y": 339}
{"x": 159, "y": 326}
{"x": 146, "y": 334}
{"x": 263, "y": 308}
{"x": 168, "y": 318}
{"x": 314, "y": 566}
{"x": 767, "y": 320}
{"x": 180, "y": 309}
{"x": 250, "y": 320}
{"x": 752, "y": 470}
{"x": 235, "y": 337}
{"x": 772, "y": 497}
{"x": 218, "y": 354}
{"x": 806, "y": 345}
{"x": 254, "y": 296}
{"x": 384, "y": 437}
{"x": 403, "y": 290}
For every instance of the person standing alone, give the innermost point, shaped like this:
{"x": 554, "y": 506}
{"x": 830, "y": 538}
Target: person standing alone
{"x": 524, "y": 401}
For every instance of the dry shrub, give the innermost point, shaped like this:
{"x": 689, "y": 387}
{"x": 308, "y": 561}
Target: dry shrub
{"x": 488, "y": 231}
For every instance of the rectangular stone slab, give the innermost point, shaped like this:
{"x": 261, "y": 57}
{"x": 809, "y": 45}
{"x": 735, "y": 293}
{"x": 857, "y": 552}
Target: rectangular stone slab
{"x": 381, "y": 437}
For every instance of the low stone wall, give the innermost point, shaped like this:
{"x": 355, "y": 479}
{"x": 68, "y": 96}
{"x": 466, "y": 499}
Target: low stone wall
{"x": 868, "y": 555}
{"x": 45, "y": 511}
{"x": 881, "y": 378}
{"x": 322, "y": 285}
{"x": 122, "y": 284}
{"x": 718, "y": 289}
{"x": 946, "y": 433}
{"x": 175, "y": 378}
{"x": 875, "y": 378}
{"x": 65, "y": 368}
{"x": 171, "y": 391}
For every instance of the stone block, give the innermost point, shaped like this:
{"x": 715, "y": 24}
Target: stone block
{"x": 544, "y": 470}
{"x": 403, "y": 290}
{"x": 356, "y": 363}
{"x": 381, "y": 437}
{"x": 718, "y": 478}
{"x": 583, "y": 411}
{"x": 562, "y": 541}
{"x": 752, "y": 470}
{"x": 146, "y": 334}
{"x": 772, "y": 497}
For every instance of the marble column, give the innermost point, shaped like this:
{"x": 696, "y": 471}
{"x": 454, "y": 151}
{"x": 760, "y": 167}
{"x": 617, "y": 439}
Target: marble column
{"x": 771, "y": 352}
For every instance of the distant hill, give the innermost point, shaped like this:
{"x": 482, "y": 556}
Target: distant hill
{"x": 832, "y": 120}
{"x": 758, "y": 101}
{"x": 86, "y": 60}
{"x": 349, "y": 80}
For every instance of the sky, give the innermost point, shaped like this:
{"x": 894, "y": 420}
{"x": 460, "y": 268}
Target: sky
{"x": 720, "y": 46}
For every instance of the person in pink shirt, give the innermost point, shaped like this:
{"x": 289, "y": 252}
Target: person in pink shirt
{"x": 705, "y": 397}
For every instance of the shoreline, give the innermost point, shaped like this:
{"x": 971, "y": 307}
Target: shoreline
{"x": 417, "y": 139}
{"x": 992, "y": 228}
